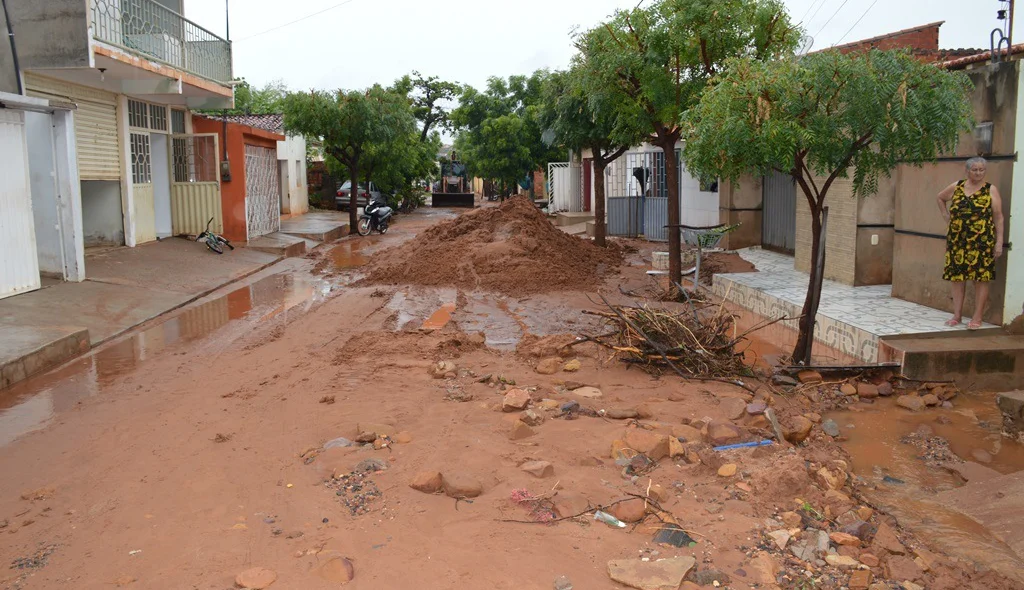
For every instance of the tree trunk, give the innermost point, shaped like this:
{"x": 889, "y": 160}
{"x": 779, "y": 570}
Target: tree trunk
{"x": 599, "y": 226}
{"x": 675, "y": 245}
{"x": 353, "y": 217}
{"x": 805, "y": 341}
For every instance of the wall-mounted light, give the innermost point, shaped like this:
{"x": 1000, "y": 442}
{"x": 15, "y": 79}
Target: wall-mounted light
{"x": 103, "y": 77}
{"x": 983, "y": 138}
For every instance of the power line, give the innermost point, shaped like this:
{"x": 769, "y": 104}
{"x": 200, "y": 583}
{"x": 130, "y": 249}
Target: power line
{"x": 307, "y": 17}
{"x": 831, "y": 17}
{"x": 820, "y": 4}
{"x": 856, "y": 23}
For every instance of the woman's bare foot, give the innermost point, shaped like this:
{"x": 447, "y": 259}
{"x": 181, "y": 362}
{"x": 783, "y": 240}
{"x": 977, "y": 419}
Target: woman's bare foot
{"x": 954, "y": 322}
{"x": 974, "y": 325}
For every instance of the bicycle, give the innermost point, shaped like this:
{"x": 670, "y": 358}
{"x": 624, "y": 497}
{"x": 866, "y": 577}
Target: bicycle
{"x": 213, "y": 241}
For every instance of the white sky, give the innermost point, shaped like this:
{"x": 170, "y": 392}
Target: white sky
{"x": 366, "y": 41}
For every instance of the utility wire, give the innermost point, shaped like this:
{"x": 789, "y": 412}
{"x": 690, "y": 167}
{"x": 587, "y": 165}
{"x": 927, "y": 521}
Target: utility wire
{"x": 820, "y": 4}
{"x": 307, "y": 17}
{"x": 831, "y": 17}
{"x": 856, "y": 23}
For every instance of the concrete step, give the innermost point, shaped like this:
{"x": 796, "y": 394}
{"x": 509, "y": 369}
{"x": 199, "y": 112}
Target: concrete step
{"x": 322, "y": 227}
{"x": 28, "y": 350}
{"x": 986, "y": 359}
{"x": 573, "y": 217}
{"x": 279, "y": 244}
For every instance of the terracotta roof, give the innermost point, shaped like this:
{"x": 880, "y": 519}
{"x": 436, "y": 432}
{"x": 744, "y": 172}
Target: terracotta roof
{"x": 270, "y": 122}
{"x": 886, "y": 36}
{"x": 980, "y": 57}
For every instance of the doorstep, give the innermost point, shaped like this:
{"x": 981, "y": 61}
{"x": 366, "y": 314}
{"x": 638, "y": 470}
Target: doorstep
{"x": 278, "y": 244}
{"x": 317, "y": 226}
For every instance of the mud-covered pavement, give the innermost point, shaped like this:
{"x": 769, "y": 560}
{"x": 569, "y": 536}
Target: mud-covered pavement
{"x": 193, "y": 451}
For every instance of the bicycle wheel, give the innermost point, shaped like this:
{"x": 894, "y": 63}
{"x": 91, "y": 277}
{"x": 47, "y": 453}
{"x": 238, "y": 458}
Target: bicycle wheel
{"x": 363, "y": 227}
{"x": 213, "y": 245}
{"x": 225, "y": 242}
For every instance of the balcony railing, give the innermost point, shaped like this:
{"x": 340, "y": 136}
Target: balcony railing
{"x": 158, "y": 33}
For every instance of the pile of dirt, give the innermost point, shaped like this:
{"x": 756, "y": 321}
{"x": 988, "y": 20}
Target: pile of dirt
{"x": 511, "y": 249}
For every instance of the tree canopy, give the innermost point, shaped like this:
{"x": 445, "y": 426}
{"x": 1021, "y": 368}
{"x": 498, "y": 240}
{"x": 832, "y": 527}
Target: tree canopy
{"x": 432, "y": 99}
{"x": 352, "y": 125}
{"x": 500, "y": 135}
{"x": 661, "y": 57}
{"x": 821, "y": 117}
{"x": 259, "y": 101}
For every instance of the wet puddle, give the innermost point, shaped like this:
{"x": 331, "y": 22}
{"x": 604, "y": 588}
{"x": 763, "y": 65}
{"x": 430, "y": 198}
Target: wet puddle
{"x": 906, "y": 487}
{"x": 32, "y": 404}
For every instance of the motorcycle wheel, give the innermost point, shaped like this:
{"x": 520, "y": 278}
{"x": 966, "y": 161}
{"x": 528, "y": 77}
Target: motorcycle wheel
{"x": 383, "y": 229}
{"x": 363, "y": 227}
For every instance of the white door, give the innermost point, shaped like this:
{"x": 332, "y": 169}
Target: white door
{"x": 19, "y": 265}
{"x": 161, "y": 184}
{"x": 262, "y": 191}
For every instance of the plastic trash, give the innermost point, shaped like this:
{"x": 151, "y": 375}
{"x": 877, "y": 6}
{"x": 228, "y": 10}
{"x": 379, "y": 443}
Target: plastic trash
{"x": 563, "y": 583}
{"x": 760, "y": 443}
{"x": 338, "y": 442}
{"x": 609, "y": 520}
{"x": 673, "y": 534}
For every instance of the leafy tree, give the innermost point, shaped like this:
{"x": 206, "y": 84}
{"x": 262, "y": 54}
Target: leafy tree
{"x": 430, "y": 98}
{"x": 500, "y": 135}
{"x": 816, "y": 117}
{"x": 351, "y": 125}
{"x": 582, "y": 114}
{"x": 661, "y": 57}
{"x": 258, "y": 101}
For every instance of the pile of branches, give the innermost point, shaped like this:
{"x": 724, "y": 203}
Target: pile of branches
{"x": 699, "y": 342}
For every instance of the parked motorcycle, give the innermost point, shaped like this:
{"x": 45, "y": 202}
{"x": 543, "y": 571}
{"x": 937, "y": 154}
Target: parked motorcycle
{"x": 375, "y": 217}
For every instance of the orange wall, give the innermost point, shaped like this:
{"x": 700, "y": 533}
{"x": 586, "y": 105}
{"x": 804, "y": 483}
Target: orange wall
{"x": 232, "y": 193}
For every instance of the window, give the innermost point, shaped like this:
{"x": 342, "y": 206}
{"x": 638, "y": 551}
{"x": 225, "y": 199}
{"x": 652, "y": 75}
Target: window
{"x": 177, "y": 121}
{"x": 142, "y": 172}
{"x": 157, "y": 117}
{"x": 138, "y": 114}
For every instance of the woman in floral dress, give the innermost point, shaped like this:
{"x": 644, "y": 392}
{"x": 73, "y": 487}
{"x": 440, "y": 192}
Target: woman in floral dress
{"x": 974, "y": 239}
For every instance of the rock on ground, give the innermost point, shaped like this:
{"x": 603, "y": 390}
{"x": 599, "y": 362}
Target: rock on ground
{"x": 521, "y": 430}
{"x": 462, "y": 485}
{"x": 651, "y": 444}
{"x": 588, "y": 392}
{"x": 256, "y": 578}
{"x": 335, "y": 568}
{"x": 797, "y": 429}
{"x": 428, "y": 482}
{"x": 515, "y": 400}
{"x": 664, "y": 574}
{"x": 629, "y": 511}
{"x": 910, "y": 402}
{"x": 538, "y": 468}
{"x": 723, "y": 433}
{"x": 549, "y": 366}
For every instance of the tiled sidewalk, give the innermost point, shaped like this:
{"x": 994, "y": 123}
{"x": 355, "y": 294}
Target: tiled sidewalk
{"x": 850, "y": 319}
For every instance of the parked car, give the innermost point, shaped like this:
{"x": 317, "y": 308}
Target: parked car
{"x": 362, "y": 196}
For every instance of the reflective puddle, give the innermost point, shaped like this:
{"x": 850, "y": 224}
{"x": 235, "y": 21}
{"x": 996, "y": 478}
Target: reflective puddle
{"x": 31, "y": 404}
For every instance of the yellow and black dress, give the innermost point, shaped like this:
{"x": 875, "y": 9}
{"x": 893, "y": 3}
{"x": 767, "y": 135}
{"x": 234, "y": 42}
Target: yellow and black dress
{"x": 971, "y": 238}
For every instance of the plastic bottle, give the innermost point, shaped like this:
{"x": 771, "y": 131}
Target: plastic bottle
{"x": 609, "y": 520}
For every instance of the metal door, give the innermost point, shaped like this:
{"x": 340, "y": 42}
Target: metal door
{"x": 262, "y": 203}
{"x": 19, "y": 265}
{"x": 778, "y": 222}
{"x": 195, "y": 184}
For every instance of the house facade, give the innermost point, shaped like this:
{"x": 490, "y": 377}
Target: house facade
{"x": 128, "y": 73}
{"x": 291, "y": 158}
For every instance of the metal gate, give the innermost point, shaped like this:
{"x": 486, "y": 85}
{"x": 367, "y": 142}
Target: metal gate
{"x": 778, "y": 225}
{"x": 262, "y": 197}
{"x": 195, "y": 184}
{"x": 19, "y": 265}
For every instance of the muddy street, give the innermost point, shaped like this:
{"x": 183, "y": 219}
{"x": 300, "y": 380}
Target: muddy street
{"x": 344, "y": 420}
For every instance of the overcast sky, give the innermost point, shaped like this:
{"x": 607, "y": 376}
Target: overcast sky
{"x": 355, "y": 43}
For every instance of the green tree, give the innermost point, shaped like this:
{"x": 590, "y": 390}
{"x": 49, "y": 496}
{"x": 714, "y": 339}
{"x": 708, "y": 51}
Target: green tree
{"x": 817, "y": 117}
{"x": 351, "y": 125}
{"x": 661, "y": 58}
{"x": 500, "y": 135}
{"x": 583, "y": 115}
{"x": 431, "y": 99}
{"x": 258, "y": 101}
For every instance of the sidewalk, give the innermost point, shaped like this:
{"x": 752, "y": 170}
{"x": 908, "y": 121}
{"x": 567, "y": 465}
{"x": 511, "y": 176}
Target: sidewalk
{"x": 125, "y": 287}
{"x": 850, "y": 319}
